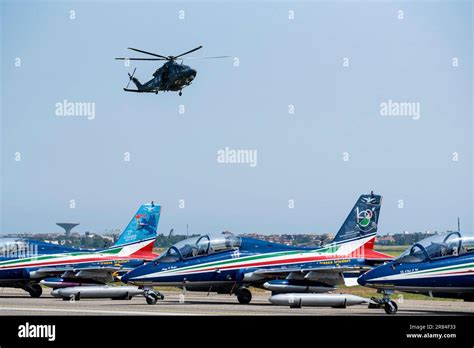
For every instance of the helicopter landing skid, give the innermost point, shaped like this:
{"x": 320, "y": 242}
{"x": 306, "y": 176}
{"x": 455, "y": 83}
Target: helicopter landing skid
{"x": 138, "y": 91}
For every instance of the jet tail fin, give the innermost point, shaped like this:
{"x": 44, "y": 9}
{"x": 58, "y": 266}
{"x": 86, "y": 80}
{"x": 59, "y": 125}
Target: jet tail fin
{"x": 362, "y": 220}
{"x": 139, "y": 236}
{"x": 372, "y": 257}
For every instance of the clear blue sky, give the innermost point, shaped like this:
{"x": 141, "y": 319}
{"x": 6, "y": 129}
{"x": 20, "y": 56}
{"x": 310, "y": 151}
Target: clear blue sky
{"x": 282, "y": 62}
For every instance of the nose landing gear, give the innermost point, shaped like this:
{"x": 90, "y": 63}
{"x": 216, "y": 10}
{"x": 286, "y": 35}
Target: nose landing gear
{"x": 391, "y": 307}
{"x": 152, "y": 297}
{"x": 388, "y": 305}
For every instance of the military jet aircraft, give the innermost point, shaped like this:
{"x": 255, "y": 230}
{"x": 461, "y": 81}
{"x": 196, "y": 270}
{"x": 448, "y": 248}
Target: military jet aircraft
{"x": 230, "y": 264}
{"x": 15, "y": 247}
{"x": 440, "y": 266}
{"x": 84, "y": 267}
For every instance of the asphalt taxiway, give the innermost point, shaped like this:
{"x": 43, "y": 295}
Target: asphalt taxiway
{"x": 18, "y": 302}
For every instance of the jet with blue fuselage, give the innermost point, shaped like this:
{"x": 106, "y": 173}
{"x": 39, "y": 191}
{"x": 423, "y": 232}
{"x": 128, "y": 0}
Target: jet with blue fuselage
{"x": 15, "y": 247}
{"x": 230, "y": 264}
{"x": 30, "y": 264}
{"x": 439, "y": 266}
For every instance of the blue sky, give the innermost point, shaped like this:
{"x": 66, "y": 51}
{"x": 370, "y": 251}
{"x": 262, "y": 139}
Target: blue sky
{"x": 282, "y": 62}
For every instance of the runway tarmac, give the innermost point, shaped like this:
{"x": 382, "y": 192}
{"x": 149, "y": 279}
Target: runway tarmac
{"x": 18, "y": 302}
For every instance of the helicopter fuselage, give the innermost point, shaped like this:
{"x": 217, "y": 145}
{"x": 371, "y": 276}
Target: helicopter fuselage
{"x": 170, "y": 77}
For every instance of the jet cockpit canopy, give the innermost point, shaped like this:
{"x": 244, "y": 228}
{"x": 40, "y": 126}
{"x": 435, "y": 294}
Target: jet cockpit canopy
{"x": 448, "y": 244}
{"x": 199, "y": 246}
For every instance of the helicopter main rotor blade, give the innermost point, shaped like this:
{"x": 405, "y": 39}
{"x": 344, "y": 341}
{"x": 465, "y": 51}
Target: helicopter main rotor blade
{"x": 205, "y": 57}
{"x": 182, "y": 54}
{"x": 140, "y": 59}
{"x": 145, "y": 52}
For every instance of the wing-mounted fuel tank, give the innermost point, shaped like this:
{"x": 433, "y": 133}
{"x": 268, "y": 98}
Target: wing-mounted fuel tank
{"x": 319, "y": 300}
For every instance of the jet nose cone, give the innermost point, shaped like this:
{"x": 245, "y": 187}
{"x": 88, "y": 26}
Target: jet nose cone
{"x": 125, "y": 278}
{"x": 362, "y": 280}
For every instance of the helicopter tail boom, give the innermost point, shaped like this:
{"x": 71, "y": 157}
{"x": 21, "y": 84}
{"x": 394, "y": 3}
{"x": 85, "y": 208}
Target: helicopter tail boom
{"x": 135, "y": 81}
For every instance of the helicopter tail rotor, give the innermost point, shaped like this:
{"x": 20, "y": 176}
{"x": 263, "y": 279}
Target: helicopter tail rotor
{"x": 131, "y": 77}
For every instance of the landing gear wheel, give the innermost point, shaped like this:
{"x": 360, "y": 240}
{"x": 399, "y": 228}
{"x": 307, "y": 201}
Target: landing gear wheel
{"x": 391, "y": 307}
{"x": 151, "y": 298}
{"x": 244, "y": 296}
{"x": 35, "y": 290}
{"x": 180, "y": 93}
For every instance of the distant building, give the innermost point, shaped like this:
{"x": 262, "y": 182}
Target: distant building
{"x": 385, "y": 240}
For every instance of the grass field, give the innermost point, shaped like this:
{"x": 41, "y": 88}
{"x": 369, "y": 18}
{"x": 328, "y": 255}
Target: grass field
{"x": 393, "y": 250}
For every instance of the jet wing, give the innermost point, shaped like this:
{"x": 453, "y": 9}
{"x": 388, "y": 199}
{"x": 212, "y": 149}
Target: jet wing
{"x": 271, "y": 272}
{"x": 104, "y": 274}
{"x": 57, "y": 270}
{"x": 331, "y": 276}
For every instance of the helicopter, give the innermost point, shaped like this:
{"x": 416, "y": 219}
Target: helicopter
{"x": 171, "y": 76}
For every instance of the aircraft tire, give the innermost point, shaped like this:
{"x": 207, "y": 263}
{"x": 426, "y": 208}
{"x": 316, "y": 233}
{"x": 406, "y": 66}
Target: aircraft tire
{"x": 391, "y": 307}
{"x": 35, "y": 290}
{"x": 151, "y": 300}
{"x": 244, "y": 296}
